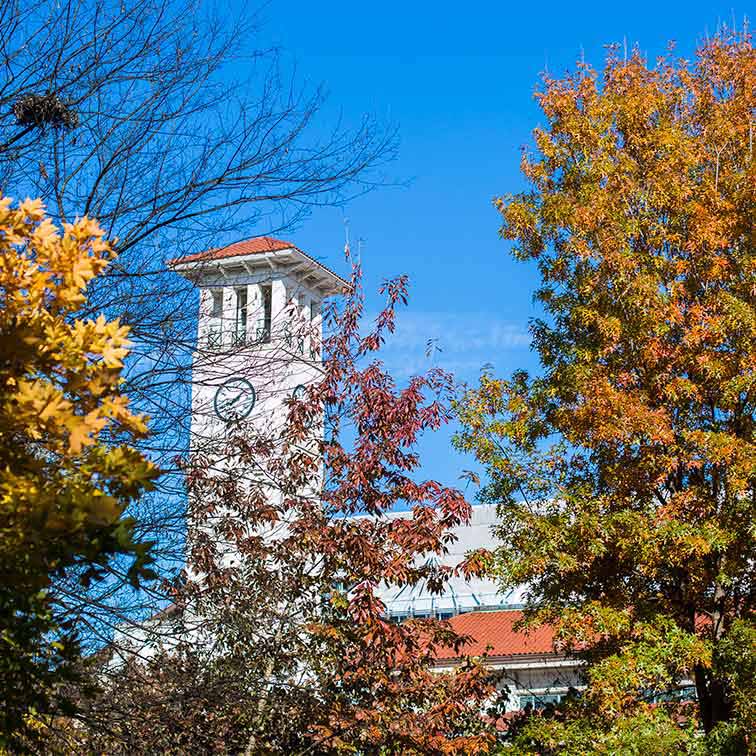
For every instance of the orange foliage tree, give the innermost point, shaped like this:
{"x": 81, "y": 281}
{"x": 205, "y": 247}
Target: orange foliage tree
{"x": 625, "y": 470}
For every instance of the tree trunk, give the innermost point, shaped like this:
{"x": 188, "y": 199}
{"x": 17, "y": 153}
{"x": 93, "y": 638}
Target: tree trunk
{"x": 713, "y": 703}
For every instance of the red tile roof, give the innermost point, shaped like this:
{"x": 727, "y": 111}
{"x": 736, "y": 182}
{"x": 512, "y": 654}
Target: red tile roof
{"x": 496, "y": 629}
{"x": 257, "y": 246}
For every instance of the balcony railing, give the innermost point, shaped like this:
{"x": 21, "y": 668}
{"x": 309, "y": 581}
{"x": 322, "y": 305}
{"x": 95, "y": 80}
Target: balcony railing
{"x": 294, "y": 342}
{"x": 260, "y": 335}
{"x": 243, "y": 337}
{"x": 214, "y": 338}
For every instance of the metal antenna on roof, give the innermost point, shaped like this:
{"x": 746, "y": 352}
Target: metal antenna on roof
{"x": 347, "y": 248}
{"x": 360, "y": 242}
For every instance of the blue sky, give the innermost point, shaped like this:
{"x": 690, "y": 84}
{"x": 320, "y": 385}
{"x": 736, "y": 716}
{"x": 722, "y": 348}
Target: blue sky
{"x": 458, "y": 81}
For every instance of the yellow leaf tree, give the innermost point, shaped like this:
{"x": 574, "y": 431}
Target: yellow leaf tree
{"x": 67, "y": 471}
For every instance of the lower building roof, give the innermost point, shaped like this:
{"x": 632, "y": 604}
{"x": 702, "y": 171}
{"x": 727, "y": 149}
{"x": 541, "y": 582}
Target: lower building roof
{"x": 494, "y": 633}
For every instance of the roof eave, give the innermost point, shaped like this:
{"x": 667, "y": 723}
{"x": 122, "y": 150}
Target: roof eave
{"x": 335, "y": 283}
{"x": 182, "y": 265}
{"x": 533, "y": 658}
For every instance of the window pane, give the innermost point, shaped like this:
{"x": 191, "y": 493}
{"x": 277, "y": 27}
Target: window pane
{"x": 241, "y": 313}
{"x": 217, "y": 304}
{"x": 267, "y": 312}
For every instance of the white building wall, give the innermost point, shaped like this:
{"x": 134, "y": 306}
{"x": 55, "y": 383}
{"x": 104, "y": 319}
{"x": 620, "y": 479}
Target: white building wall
{"x": 274, "y": 369}
{"x": 460, "y": 595}
{"x": 536, "y": 679}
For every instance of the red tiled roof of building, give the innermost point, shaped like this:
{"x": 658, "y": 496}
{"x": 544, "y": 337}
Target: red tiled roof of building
{"x": 257, "y": 246}
{"x": 496, "y": 629}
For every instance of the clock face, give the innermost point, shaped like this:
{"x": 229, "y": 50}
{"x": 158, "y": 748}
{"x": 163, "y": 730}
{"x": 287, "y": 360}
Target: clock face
{"x": 299, "y": 393}
{"x": 234, "y": 399}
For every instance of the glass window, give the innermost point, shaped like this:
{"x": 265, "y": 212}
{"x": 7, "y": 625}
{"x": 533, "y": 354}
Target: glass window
{"x": 267, "y": 313}
{"x": 215, "y": 330}
{"x": 217, "y": 304}
{"x": 241, "y": 315}
{"x": 686, "y": 693}
{"x": 540, "y": 701}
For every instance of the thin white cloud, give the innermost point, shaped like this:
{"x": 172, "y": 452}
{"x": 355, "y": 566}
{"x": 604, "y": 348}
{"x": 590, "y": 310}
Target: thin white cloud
{"x": 458, "y": 342}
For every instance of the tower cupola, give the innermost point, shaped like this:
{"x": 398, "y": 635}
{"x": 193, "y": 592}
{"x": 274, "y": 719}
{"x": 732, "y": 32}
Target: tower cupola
{"x": 259, "y": 329}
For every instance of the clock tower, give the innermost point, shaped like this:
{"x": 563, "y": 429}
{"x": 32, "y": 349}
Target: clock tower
{"x": 259, "y": 333}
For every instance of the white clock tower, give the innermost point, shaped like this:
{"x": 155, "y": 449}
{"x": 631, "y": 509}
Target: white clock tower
{"x": 259, "y": 332}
